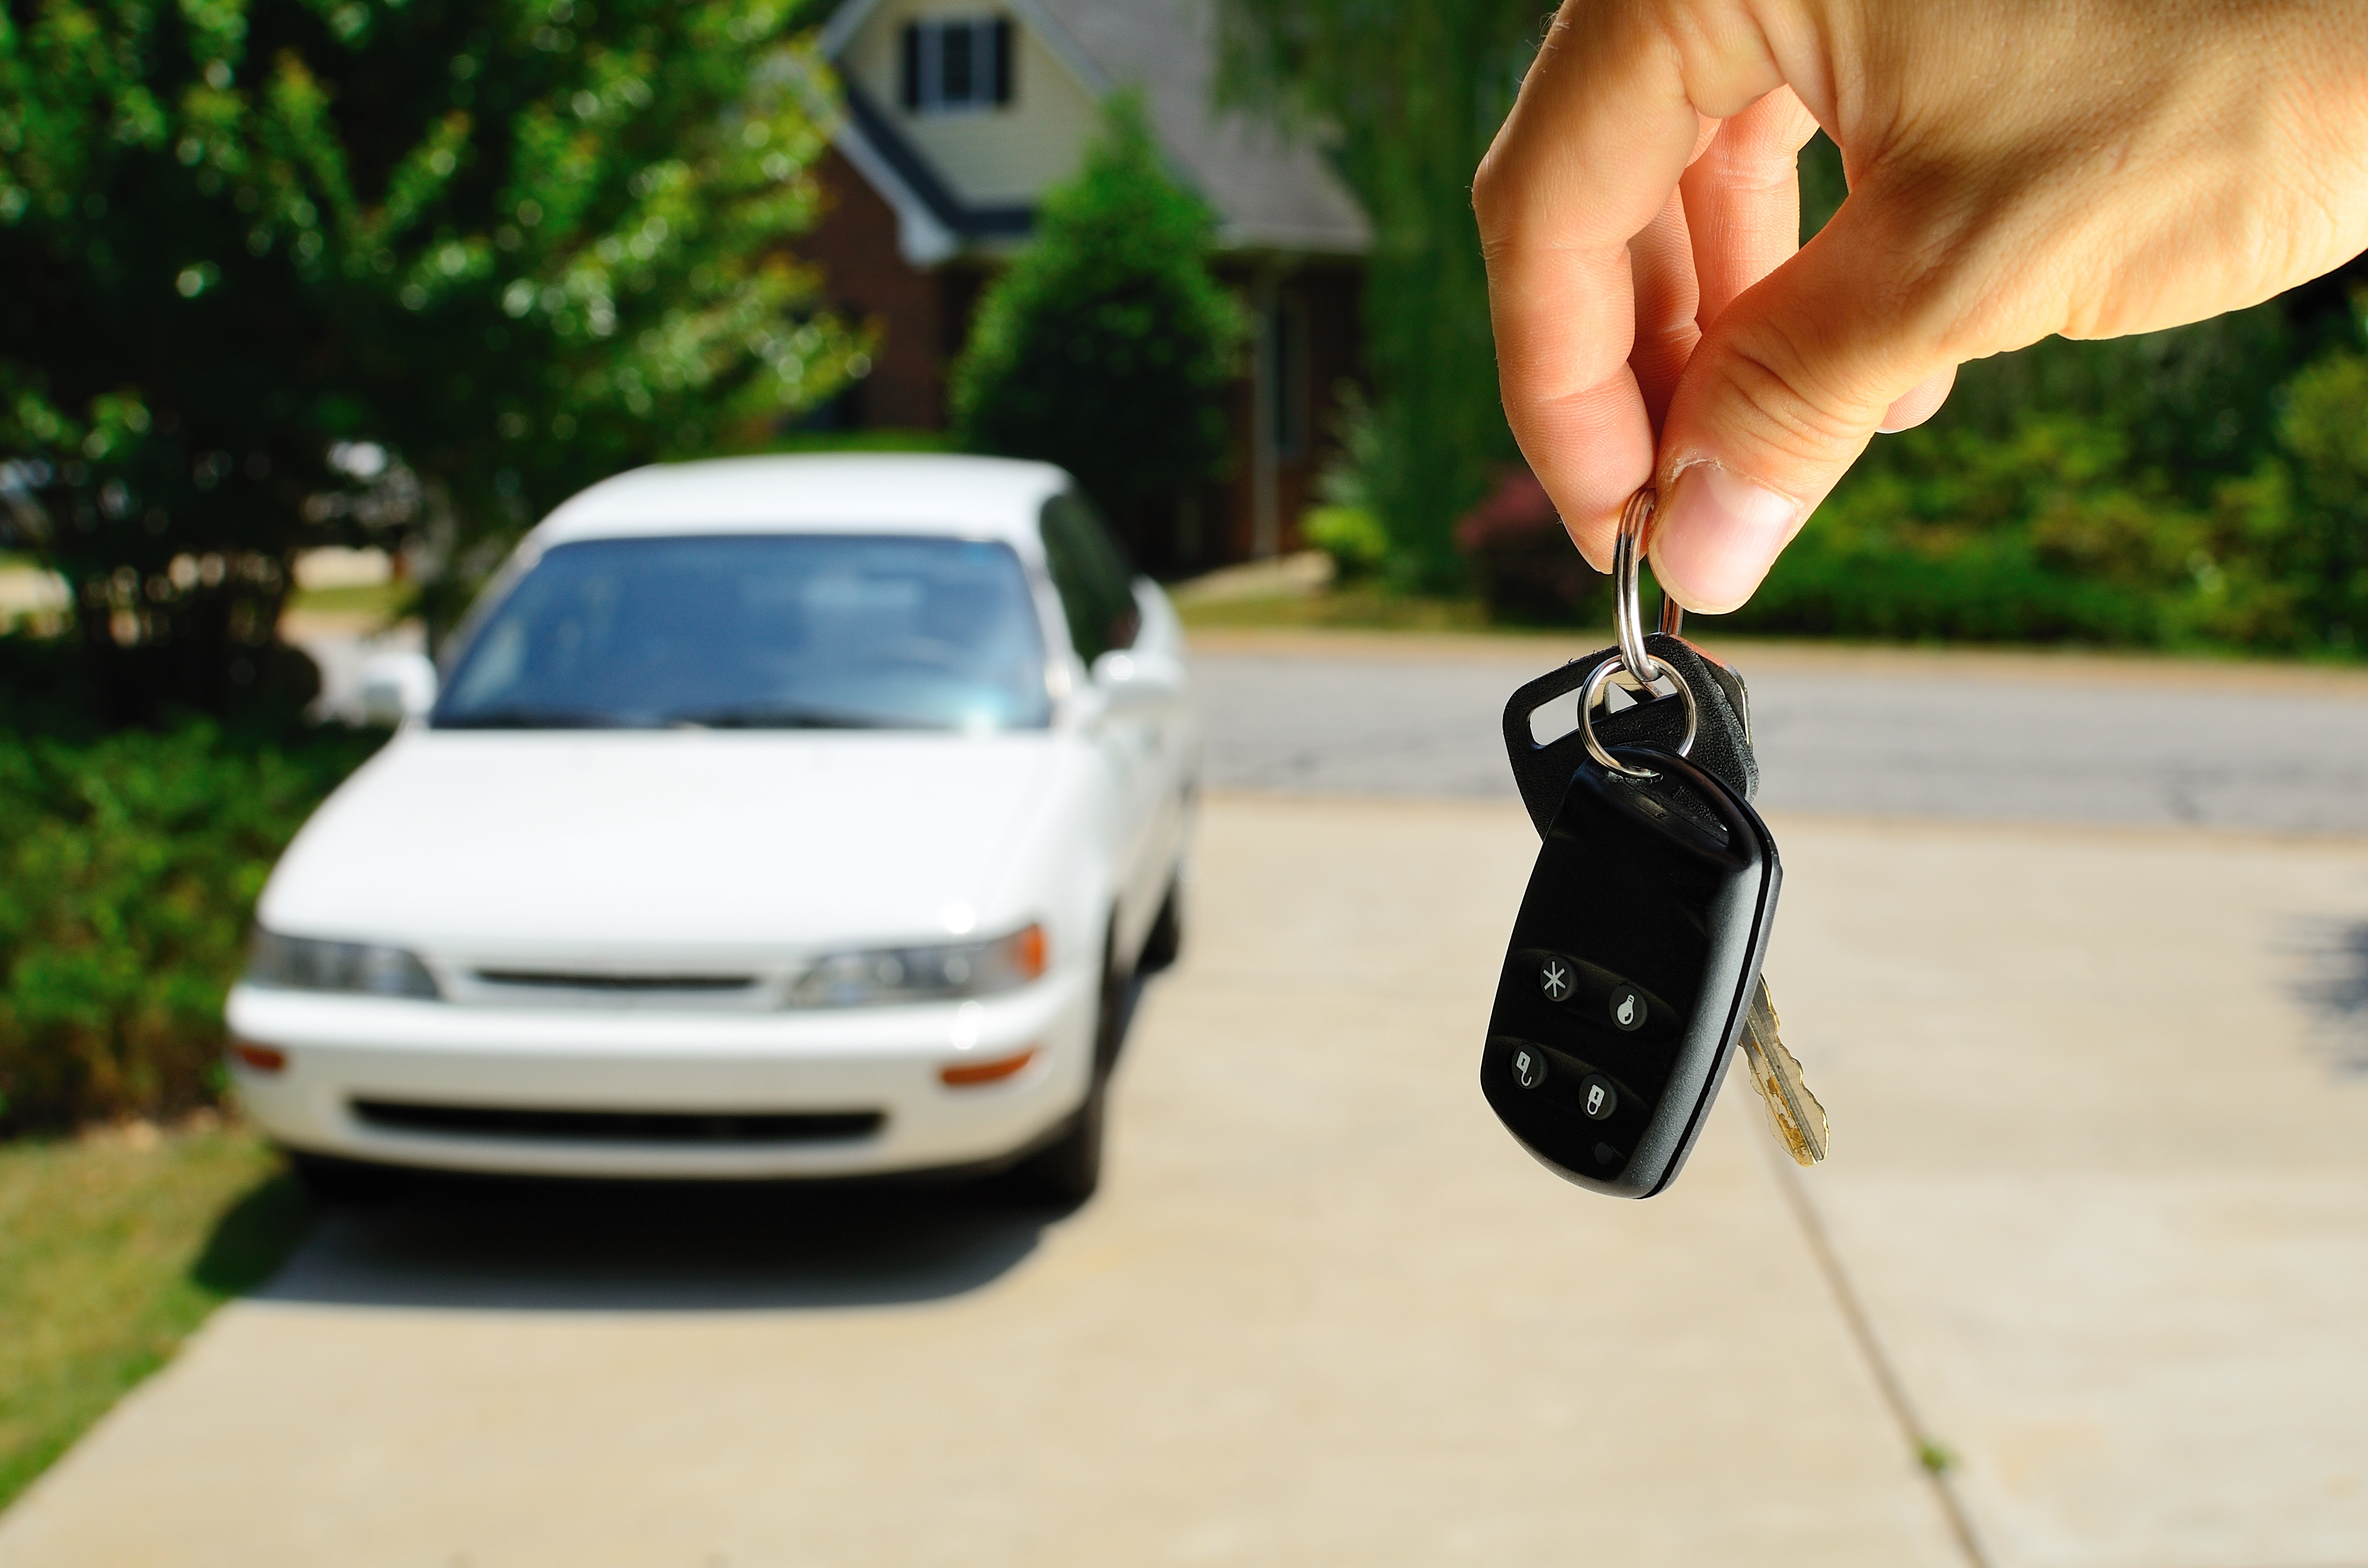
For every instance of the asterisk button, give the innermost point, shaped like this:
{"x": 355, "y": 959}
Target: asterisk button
{"x": 1553, "y": 978}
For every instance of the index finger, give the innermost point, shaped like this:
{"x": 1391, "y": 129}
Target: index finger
{"x": 1598, "y": 141}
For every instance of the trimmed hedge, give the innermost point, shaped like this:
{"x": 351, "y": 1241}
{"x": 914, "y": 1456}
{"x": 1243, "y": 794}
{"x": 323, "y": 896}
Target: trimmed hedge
{"x": 129, "y": 870}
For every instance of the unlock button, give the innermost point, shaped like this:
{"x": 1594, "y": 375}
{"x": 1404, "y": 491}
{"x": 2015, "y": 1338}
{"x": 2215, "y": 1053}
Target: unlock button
{"x": 1528, "y": 1066}
{"x": 1597, "y": 1097}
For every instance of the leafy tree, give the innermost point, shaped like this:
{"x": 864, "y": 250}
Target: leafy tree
{"x": 518, "y": 245}
{"x": 1409, "y": 93}
{"x": 1108, "y": 347}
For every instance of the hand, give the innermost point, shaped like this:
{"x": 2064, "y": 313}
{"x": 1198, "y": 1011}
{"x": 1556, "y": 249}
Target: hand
{"x": 2017, "y": 168}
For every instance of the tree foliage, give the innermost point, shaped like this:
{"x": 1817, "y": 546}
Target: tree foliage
{"x": 1408, "y": 93}
{"x": 517, "y": 244}
{"x": 1108, "y": 347}
{"x": 129, "y": 868}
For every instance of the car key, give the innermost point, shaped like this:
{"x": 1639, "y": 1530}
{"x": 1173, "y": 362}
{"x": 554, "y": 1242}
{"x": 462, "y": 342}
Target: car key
{"x": 1633, "y": 970}
{"x": 1792, "y": 1110}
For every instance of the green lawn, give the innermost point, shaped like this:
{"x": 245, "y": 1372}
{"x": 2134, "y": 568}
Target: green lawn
{"x": 113, "y": 1249}
{"x": 388, "y": 602}
{"x": 1356, "y": 605}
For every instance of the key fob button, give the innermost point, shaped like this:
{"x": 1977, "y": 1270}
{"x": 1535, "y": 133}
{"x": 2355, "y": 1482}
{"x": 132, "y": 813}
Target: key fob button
{"x": 1528, "y": 1066}
{"x": 1597, "y": 1098}
{"x": 1628, "y": 1008}
{"x": 1557, "y": 979}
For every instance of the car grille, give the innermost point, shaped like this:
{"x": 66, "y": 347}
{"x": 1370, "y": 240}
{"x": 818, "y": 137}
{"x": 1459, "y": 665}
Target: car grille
{"x": 667, "y": 1127}
{"x": 552, "y": 979}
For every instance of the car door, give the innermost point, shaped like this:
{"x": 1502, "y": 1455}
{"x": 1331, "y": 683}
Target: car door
{"x": 1136, "y": 732}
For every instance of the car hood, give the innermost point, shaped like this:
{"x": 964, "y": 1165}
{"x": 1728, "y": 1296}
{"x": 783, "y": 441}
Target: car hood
{"x": 673, "y": 841}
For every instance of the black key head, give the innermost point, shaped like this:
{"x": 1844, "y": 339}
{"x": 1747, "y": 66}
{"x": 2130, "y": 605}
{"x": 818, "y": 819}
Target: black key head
{"x": 1722, "y": 732}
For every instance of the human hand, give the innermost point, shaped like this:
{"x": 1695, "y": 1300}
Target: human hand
{"x": 2017, "y": 168}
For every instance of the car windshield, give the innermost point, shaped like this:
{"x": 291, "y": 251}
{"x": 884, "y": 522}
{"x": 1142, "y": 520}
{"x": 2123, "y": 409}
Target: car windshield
{"x": 758, "y": 631}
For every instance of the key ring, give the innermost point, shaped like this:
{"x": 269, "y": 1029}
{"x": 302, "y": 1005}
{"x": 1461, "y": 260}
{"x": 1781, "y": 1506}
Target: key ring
{"x": 1628, "y": 622}
{"x": 1627, "y": 618}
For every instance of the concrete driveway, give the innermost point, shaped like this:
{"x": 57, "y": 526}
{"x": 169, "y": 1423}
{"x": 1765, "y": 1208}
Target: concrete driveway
{"x": 2096, "y": 1229}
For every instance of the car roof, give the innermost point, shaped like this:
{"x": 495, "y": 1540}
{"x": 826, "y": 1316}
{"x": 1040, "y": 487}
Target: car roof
{"x": 904, "y": 493}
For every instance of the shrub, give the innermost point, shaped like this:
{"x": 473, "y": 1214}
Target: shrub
{"x": 2301, "y": 525}
{"x": 1351, "y": 536}
{"x": 2047, "y": 536}
{"x": 1528, "y": 570}
{"x": 1108, "y": 347}
{"x": 129, "y": 870}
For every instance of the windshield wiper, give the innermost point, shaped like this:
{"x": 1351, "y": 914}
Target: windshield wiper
{"x": 526, "y": 719}
{"x": 781, "y": 716}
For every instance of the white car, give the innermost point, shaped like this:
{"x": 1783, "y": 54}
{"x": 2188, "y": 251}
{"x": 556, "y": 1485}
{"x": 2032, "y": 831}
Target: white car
{"x": 775, "y": 816}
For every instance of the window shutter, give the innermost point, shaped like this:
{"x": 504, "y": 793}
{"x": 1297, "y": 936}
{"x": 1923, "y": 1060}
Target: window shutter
{"x": 1002, "y": 59}
{"x": 912, "y": 67}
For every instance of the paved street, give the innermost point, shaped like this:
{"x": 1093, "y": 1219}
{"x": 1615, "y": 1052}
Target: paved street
{"x": 2096, "y": 1226}
{"x": 1963, "y": 737}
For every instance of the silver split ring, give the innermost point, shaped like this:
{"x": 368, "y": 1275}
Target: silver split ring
{"x": 1602, "y": 675}
{"x": 1641, "y": 669}
{"x": 1627, "y": 614}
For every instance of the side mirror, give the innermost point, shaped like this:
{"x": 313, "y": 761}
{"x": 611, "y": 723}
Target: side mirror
{"x": 397, "y": 687}
{"x": 1130, "y": 679}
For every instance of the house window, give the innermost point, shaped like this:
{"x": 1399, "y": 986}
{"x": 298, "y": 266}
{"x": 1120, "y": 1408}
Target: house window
{"x": 1284, "y": 351}
{"x": 957, "y": 64}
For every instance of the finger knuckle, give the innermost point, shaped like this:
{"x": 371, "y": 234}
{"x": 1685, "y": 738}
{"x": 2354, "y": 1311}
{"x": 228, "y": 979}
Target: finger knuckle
{"x": 1786, "y": 404}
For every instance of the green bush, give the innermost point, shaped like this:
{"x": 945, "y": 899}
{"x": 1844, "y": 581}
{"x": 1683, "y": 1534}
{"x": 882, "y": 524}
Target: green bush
{"x": 2068, "y": 529}
{"x": 1108, "y": 347}
{"x": 2293, "y": 538}
{"x": 1351, "y": 536}
{"x": 129, "y": 870}
{"x": 2043, "y": 536}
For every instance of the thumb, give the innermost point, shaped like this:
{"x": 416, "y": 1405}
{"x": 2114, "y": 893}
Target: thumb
{"x": 1782, "y": 393}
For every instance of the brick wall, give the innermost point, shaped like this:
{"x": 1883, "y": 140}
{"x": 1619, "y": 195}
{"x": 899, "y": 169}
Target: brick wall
{"x": 865, "y": 277}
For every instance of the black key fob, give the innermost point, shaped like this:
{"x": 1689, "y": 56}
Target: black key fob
{"x": 1630, "y": 972}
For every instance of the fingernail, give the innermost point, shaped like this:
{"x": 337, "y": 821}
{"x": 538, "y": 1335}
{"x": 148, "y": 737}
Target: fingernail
{"x": 1717, "y": 538}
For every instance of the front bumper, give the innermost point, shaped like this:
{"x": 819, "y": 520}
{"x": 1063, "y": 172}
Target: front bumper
{"x": 746, "y": 1081}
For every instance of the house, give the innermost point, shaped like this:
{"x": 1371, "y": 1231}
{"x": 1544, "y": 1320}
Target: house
{"x": 959, "y": 113}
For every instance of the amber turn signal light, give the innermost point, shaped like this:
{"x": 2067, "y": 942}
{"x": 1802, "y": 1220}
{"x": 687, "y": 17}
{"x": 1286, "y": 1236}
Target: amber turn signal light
{"x": 1027, "y": 953}
{"x": 965, "y": 1074}
{"x": 258, "y": 1058}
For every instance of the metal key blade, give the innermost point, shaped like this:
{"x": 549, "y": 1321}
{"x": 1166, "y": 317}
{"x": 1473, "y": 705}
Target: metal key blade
{"x": 1799, "y": 1120}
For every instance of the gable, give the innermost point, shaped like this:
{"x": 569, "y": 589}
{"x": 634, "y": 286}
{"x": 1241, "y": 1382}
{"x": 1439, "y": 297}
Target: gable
{"x": 990, "y": 157}
{"x": 971, "y": 175}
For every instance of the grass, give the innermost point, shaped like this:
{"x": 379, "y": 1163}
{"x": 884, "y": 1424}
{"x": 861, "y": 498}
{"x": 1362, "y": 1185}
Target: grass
{"x": 388, "y": 602}
{"x": 1357, "y": 606}
{"x": 114, "y": 1247}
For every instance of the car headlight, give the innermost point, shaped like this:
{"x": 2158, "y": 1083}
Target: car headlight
{"x": 879, "y": 976}
{"x": 305, "y": 963}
